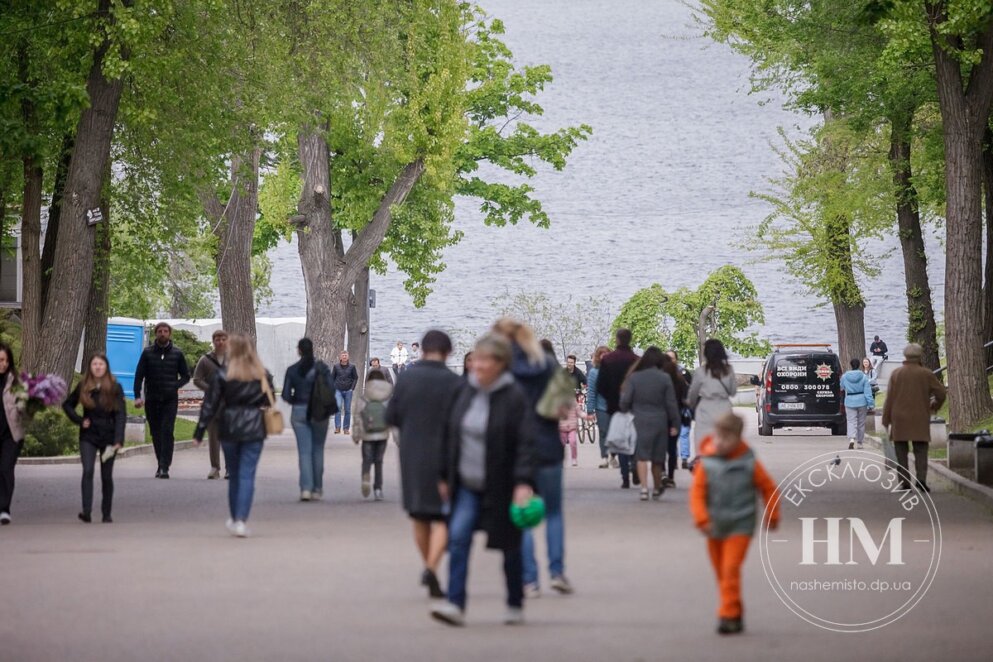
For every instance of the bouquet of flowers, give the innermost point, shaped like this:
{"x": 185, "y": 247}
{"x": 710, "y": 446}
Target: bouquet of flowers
{"x": 37, "y": 392}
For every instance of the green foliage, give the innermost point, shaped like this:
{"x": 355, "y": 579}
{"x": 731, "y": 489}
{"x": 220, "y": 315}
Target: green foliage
{"x": 50, "y": 433}
{"x": 10, "y": 332}
{"x": 670, "y": 320}
{"x": 835, "y": 196}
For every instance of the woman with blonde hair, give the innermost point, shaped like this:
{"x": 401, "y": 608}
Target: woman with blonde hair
{"x": 533, "y": 369}
{"x": 237, "y": 394}
{"x": 101, "y": 429}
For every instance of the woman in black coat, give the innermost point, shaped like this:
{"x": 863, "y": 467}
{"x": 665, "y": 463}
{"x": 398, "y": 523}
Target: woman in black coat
{"x": 419, "y": 410}
{"x": 487, "y": 463}
{"x": 101, "y": 429}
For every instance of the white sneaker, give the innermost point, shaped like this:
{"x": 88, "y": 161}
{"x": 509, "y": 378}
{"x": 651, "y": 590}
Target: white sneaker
{"x": 514, "y": 616}
{"x": 532, "y": 591}
{"x": 316, "y": 495}
{"x": 108, "y": 453}
{"x": 305, "y": 495}
{"x": 240, "y": 529}
{"x": 575, "y": 463}
{"x": 5, "y": 518}
{"x": 605, "y": 464}
{"x": 614, "y": 462}
{"x": 859, "y": 445}
{"x": 851, "y": 444}
{"x": 561, "y": 584}
{"x": 448, "y": 613}
{"x": 378, "y": 495}
{"x": 229, "y": 525}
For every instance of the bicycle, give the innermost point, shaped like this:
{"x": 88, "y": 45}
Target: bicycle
{"x": 588, "y": 431}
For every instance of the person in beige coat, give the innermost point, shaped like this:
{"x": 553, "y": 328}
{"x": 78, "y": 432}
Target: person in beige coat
{"x": 11, "y": 431}
{"x": 913, "y": 394}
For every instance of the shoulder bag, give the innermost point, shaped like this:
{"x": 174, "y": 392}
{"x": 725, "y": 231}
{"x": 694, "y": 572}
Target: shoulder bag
{"x": 272, "y": 417}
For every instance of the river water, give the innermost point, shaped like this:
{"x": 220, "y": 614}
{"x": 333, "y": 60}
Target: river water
{"x": 660, "y": 193}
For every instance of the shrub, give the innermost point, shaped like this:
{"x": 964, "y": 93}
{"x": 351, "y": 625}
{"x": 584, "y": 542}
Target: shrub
{"x": 50, "y": 433}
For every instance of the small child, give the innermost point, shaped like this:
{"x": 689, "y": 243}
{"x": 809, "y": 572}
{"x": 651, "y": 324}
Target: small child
{"x": 569, "y": 431}
{"x": 369, "y": 427}
{"x": 726, "y": 484}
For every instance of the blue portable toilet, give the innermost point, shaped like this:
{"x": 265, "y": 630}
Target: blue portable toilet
{"x": 125, "y": 342}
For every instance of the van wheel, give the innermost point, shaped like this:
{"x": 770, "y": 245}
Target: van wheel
{"x": 765, "y": 430}
{"x": 839, "y": 430}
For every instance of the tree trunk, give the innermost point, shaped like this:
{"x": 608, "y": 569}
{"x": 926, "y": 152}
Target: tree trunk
{"x": 328, "y": 271}
{"x": 322, "y": 255}
{"x": 69, "y": 291}
{"x": 988, "y": 271}
{"x": 234, "y": 228}
{"x": 921, "y": 328}
{"x": 846, "y": 297}
{"x": 31, "y": 266}
{"x": 95, "y": 336}
{"x": 31, "y": 304}
{"x": 965, "y": 112}
{"x": 358, "y": 324}
{"x": 54, "y": 216}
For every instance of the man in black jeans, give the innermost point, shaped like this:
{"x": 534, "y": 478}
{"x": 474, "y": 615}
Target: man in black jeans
{"x": 613, "y": 370}
{"x": 163, "y": 371}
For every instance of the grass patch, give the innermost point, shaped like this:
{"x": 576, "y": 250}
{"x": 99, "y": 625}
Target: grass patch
{"x": 183, "y": 430}
{"x": 938, "y": 453}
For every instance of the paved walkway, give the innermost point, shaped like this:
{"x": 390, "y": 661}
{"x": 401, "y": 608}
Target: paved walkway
{"x": 337, "y": 580}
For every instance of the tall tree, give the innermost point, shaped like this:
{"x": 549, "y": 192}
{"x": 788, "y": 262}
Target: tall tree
{"x": 962, "y": 41}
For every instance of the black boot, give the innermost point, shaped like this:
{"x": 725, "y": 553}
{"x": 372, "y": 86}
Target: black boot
{"x": 85, "y": 517}
{"x": 730, "y": 626}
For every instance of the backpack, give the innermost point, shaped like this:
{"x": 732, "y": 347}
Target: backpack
{"x": 374, "y": 417}
{"x": 559, "y": 396}
{"x": 323, "y": 404}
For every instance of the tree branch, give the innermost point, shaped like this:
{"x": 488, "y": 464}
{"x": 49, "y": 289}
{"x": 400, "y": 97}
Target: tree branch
{"x": 369, "y": 239}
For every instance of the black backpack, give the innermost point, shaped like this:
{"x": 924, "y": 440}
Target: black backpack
{"x": 323, "y": 403}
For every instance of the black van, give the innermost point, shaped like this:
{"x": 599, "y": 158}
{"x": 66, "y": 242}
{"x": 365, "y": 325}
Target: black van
{"x": 800, "y": 385}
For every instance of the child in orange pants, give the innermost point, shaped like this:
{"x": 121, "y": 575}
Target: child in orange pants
{"x": 726, "y": 484}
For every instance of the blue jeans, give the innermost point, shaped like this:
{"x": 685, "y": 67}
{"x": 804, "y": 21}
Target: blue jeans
{"x": 627, "y": 466}
{"x": 603, "y": 424}
{"x": 684, "y": 442}
{"x": 310, "y": 436}
{"x": 548, "y": 483}
{"x": 241, "y": 459}
{"x": 344, "y": 399}
{"x": 466, "y": 510}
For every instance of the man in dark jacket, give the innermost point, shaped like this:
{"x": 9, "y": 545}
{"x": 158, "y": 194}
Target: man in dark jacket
{"x": 613, "y": 371}
{"x": 878, "y": 352}
{"x": 345, "y": 377}
{"x": 574, "y": 372}
{"x": 163, "y": 371}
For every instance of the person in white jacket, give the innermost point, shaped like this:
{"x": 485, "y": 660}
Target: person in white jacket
{"x": 398, "y": 357}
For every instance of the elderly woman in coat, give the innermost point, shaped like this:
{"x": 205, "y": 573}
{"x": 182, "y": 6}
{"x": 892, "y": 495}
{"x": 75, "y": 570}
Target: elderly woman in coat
{"x": 649, "y": 394}
{"x": 714, "y": 384}
{"x": 488, "y": 463}
{"x": 912, "y": 395}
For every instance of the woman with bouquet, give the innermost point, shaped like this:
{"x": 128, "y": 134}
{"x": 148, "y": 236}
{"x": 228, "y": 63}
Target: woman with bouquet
{"x": 101, "y": 429}
{"x": 11, "y": 430}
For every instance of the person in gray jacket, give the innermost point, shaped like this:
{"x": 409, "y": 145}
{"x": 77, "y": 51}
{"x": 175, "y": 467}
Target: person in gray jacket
{"x": 648, "y": 393}
{"x": 208, "y": 364}
{"x": 714, "y": 384}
